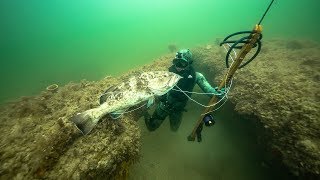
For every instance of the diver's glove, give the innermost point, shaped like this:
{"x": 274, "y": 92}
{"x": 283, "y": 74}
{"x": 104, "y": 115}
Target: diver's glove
{"x": 219, "y": 93}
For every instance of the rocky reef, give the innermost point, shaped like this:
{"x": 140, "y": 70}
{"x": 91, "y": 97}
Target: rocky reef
{"x": 38, "y": 141}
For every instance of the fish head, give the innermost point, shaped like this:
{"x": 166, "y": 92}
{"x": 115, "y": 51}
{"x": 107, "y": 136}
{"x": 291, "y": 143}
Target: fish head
{"x": 160, "y": 82}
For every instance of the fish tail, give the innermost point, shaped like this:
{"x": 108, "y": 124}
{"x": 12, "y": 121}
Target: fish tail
{"x": 85, "y": 122}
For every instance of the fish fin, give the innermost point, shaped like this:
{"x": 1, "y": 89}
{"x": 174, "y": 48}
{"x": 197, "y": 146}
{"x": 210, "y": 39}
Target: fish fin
{"x": 106, "y": 94}
{"x": 117, "y": 114}
{"x": 150, "y": 102}
{"x": 102, "y": 99}
{"x": 85, "y": 122}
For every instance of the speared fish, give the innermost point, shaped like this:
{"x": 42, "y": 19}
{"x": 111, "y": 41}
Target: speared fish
{"x": 116, "y": 100}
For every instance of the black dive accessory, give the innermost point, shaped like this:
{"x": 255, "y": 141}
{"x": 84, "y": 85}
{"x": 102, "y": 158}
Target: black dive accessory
{"x": 180, "y": 63}
{"x": 208, "y": 120}
{"x": 183, "y": 58}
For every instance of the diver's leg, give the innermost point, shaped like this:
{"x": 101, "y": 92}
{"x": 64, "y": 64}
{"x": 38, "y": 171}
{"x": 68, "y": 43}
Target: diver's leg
{"x": 157, "y": 117}
{"x": 175, "y": 120}
{"x": 175, "y": 116}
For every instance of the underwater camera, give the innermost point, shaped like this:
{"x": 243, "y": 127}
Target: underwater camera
{"x": 208, "y": 120}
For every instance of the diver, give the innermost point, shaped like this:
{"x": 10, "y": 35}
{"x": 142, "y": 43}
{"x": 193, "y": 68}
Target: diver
{"x": 173, "y": 103}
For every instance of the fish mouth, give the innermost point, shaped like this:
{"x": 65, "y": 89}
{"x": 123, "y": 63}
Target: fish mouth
{"x": 168, "y": 85}
{"x": 174, "y": 80}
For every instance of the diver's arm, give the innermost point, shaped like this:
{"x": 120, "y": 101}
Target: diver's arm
{"x": 205, "y": 86}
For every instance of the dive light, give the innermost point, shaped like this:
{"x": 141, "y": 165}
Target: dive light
{"x": 208, "y": 120}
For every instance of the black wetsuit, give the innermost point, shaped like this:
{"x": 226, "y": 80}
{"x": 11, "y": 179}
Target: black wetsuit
{"x": 173, "y": 103}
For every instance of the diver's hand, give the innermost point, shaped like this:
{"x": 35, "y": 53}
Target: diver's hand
{"x": 219, "y": 93}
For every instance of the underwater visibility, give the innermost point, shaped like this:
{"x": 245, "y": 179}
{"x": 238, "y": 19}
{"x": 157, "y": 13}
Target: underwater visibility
{"x": 163, "y": 89}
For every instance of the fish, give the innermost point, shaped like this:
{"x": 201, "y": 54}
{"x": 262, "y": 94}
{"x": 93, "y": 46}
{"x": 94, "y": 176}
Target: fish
{"x": 141, "y": 87}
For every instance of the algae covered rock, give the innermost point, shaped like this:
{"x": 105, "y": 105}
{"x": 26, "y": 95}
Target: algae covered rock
{"x": 38, "y": 141}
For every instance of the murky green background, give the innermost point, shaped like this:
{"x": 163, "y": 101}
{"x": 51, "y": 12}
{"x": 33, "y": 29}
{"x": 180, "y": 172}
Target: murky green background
{"x": 57, "y": 41}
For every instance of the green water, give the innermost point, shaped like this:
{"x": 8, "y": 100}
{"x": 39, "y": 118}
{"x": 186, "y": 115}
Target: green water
{"x": 45, "y": 42}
